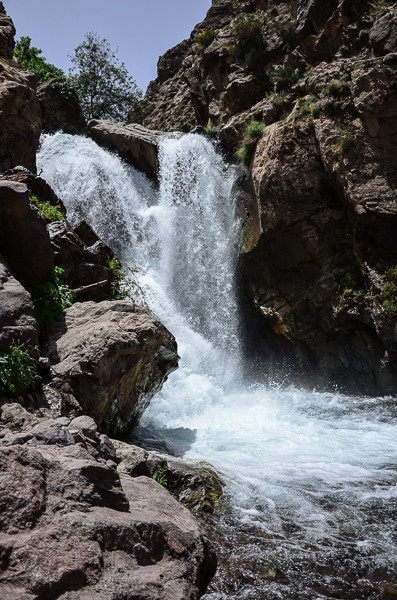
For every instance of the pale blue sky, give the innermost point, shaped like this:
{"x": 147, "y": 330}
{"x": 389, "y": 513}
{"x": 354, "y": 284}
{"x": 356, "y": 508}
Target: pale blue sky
{"x": 142, "y": 30}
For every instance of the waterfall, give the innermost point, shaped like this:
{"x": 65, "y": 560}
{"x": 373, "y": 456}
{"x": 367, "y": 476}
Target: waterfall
{"x": 311, "y": 476}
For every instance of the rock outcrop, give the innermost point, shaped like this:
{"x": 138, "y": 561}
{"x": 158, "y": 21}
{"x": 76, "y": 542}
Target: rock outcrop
{"x": 17, "y": 317}
{"x": 73, "y": 528}
{"x": 19, "y": 108}
{"x": 197, "y": 486}
{"x": 136, "y": 144}
{"x": 24, "y": 240}
{"x": 60, "y": 108}
{"x": 108, "y": 359}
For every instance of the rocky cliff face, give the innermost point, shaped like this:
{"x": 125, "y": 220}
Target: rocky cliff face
{"x": 318, "y": 268}
{"x": 19, "y": 107}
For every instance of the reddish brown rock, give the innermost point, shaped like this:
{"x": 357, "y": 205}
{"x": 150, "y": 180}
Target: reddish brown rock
{"x": 109, "y": 358}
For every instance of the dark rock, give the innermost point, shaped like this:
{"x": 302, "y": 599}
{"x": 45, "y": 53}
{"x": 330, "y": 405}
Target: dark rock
{"x": 17, "y": 316}
{"x": 7, "y": 33}
{"x": 60, "y": 108}
{"x": 196, "y": 485}
{"x": 36, "y": 185}
{"x": 86, "y": 269}
{"x": 20, "y": 124}
{"x": 242, "y": 92}
{"x": 171, "y": 61}
{"x": 133, "y": 142}
{"x": 312, "y": 14}
{"x": 383, "y": 35}
{"x": 110, "y": 357}
{"x": 24, "y": 240}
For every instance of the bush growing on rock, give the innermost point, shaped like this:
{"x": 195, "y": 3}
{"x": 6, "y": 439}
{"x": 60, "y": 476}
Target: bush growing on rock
{"x": 31, "y": 59}
{"x": 48, "y": 211}
{"x": 252, "y": 132}
{"x": 18, "y": 370}
{"x": 205, "y": 37}
{"x": 51, "y": 300}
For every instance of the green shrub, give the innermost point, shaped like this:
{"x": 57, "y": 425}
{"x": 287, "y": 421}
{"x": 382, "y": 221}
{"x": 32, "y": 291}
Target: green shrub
{"x": 252, "y": 132}
{"x": 337, "y": 89}
{"x": 18, "y": 371}
{"x": 31, "y": 59}
{"x": 347, "y": 142}
{"x": 51, "y": 300}
{"x": 118, "y": 291}
{"x": 285, "y": 77}
{"x": 48, "y": 211}
{"x": 161, "y": 474}
{"x": 389, "y": 291}
{"x": 248, "y": 29}
{"x": 205, "y": 37}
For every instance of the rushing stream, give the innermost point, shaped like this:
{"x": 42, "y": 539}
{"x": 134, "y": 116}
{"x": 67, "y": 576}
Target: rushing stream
{"x": 311, "y": 500}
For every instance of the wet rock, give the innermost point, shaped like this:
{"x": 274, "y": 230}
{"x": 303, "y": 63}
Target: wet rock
{"x": 196, "y": 485}
{"x": 133, "y": 142}
{"x": 110, "y": 358}
{"x": 24, "y": 240}
{"x": 60, "y": 108}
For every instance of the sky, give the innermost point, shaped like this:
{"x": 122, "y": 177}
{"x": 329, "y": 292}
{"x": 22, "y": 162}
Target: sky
{"x": 141, "y": 30}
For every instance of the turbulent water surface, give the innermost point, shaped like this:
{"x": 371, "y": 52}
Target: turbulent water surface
{"x": 311, "y": 499}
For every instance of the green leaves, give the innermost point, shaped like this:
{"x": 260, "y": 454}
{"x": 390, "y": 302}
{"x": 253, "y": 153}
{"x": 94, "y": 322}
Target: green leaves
{"x": 102, "y": 82}
{"x": 31, "y": 59}
{"x": 18, "y": 370}
{"x": 51, "y": 300}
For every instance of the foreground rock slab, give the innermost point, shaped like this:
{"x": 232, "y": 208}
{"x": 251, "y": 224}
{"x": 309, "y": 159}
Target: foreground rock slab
{"x": 72, "y": 528}
{"x": 108, "y": 359}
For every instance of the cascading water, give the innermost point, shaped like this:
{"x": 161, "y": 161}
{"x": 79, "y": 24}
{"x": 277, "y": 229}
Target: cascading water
{"x": 311, "y": 498}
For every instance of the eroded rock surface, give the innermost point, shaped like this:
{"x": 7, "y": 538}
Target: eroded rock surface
{"x": 108, "y": 359}
{"x": 135, "y": 143}
{"x": 24, "y": 240}
{"x": 60, "y": 108}
{"x": 17, "y": 317}
{"x": 72, "y": 528}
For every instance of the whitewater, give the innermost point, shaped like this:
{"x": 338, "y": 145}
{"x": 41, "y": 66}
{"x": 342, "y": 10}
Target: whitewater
{"x": 311, "y": 496}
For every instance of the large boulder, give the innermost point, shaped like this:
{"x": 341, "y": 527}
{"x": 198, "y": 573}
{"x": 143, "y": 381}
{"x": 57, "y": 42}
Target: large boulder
{"x": 109, "y": 359}
{"x": 133, "y": 142}
{"x": 24, "y": 240}
{"x": 73, "y": 528}
{"x": 17, "y": 317}
{"x": 60, "y": 108}
{"x": 383, "y": 34}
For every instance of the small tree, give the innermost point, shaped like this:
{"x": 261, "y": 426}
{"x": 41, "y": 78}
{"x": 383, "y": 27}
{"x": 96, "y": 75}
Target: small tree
{"x": 31, "y": 59}
{"x": 102, "y": 82}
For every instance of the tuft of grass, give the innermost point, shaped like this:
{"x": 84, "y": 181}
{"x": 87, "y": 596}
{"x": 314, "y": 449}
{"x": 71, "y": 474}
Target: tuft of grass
{"x": 51, "y": 300}
{"x": 18, "y": 370}
{"x": 118, "y": 291}
{"x": 285, "y": 77}
{"x": 48, "y": 211}
{"x": 252, "y": 132}
{"x": 389, "y": 291}
{"x": 161, "y": 474}
{"x": 205, "y": 37}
